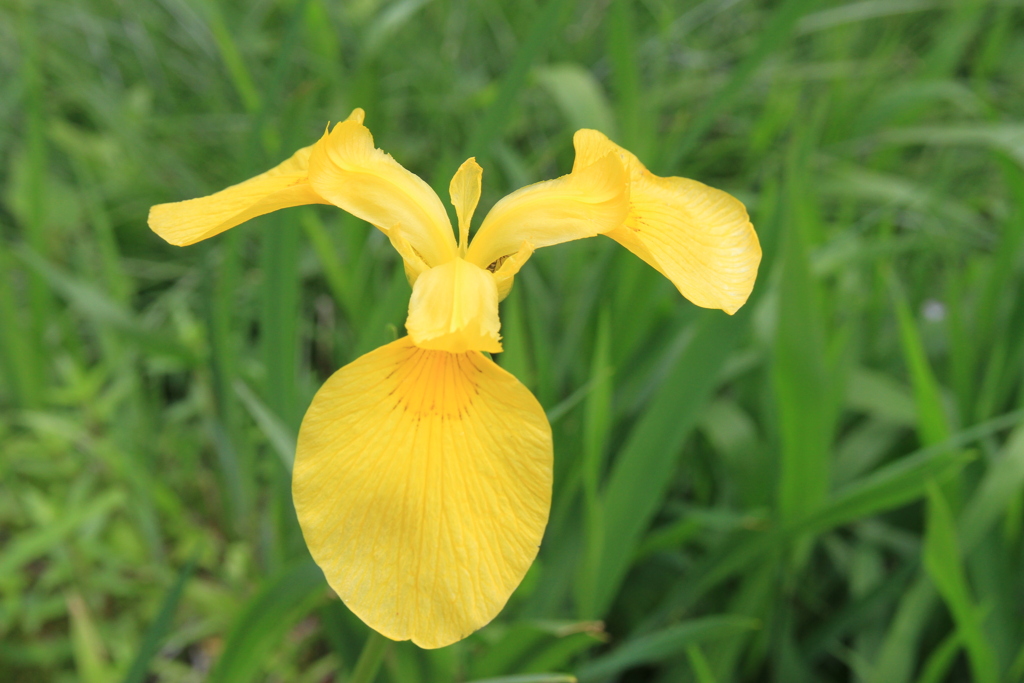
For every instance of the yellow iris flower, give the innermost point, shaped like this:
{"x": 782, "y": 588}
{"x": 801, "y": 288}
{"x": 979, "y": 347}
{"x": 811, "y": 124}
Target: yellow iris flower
{"x": 422, "y": 476}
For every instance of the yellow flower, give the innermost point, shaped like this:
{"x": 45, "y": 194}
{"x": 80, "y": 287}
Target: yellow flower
{"x": 422, "y": 477}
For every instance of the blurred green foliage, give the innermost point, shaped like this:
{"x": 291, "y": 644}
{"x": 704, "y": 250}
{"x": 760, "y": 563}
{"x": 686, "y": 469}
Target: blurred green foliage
{"x": 827, "y": 486}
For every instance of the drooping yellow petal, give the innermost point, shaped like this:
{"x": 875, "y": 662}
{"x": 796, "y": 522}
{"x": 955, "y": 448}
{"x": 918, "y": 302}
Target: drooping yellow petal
{"x": 698, "y": 237}
{"x": 454, "y": 307}
{"x": 422, "y": 484}
{"x": 464, "y": 191}
{"x": 188, "y": 222}
{"x": 285, "y": 185}
{"x": 581, "y": 204}
{"x": 348, "y": 171}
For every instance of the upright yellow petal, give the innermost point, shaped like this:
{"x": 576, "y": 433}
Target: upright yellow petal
{"x": 465, "y": 193}
{"x": 581, "y": 204}
{"x": 191, "y": 221}
{"x": 347, "y": 170}
{"x": 454, "y": 307}
{"x": 698, "y": 237}
{"x": 422, "y": 483}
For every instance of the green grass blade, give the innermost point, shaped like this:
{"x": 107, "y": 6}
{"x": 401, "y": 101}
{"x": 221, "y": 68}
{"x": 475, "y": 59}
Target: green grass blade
{"x": 99, "y": 308}
{"x": 933, "y": 425}
{"x": 661, "y": 645}
{"x": 885, "y": 489}
{"x": 1003, "y": 480}
{"x": 898, "y": 652}
{"x": 529, "y": 678}
{"x": 889, "y": 487}
{"x": 700, "y": 664}
{"x": 596, "y": 429}
{"x": 88, "y": 648}
{"x": 279, "y": 324}
{"x": 851, "y": 12}
{"x": 516, "y": 339}
{"x": 281, "y": 438}
{"x": 265, "y": 619}
{"x": 34, "y": 227}
{"x": 940, "y": 661}
{"x": 944, "y": 563}
{"x": 31, "y": 545}
{"x": 232, "y": 57}
{"x": 562, "y": 651}
{"x": 629, "y": 102}
{"x": 370, "y": 659}
{"x": 19, "y": 351}
{"x": 896, "y": 656}
{"x": 801, "y": 382}
{"x": 771, "y": 38}
{"x": 642, "y": 469}
{"x": 542, "y": 31}
{"x": 159, "y": 627}
{"x": 961, "y": 23}
{"x": 221, "y": 276}
{"x": 338, "y": 277}
{"x": 580, "y": 97}
{"x": 380, "y": 33}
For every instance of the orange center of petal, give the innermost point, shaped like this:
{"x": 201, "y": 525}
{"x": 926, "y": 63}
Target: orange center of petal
{"x": 435, "y": 385}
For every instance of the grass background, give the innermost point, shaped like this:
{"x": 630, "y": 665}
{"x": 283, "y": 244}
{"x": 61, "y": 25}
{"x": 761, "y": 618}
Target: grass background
{"x": 827, "y": 486}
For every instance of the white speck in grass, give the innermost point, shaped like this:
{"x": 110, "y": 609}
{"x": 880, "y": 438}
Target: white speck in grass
{"x": 934, "y": 311}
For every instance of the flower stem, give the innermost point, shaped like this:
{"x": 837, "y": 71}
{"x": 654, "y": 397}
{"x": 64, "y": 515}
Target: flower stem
{"x": 370, "y": 659}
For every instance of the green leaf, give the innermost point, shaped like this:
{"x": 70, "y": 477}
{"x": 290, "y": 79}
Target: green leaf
{"x": 265, "y": 619}
{"x": 699, "y": 663}
{"x": 281, "y": 438}
{"x": 87, "y": 644}
{"x": 529, "y": 678}
{"x": 279, "y": 320}
{"x": 1003, "y": 480}
{"x": 158, "y": 628}
{"x": 642, "y": 469}
{"x": 629, "y": 101}
{"x": 383, "y": 28}
{"x": 878, "y": 394}
{"x": 769, "y": 39}
{"x": 664, "y": 644}
{"x": 943, "y": 560}
{"x": 941, "y": 660}
{"x": 102, "y": 310}
{"x": 597, "y": 423}
{"x": 29, "y": 545}
{"x": 1004, "y": 137}
{"x": 579, "y": 96}
{"x": 933, "y": 425}
{"x": 801, "y": 381}
{"x": 542, "y": 31}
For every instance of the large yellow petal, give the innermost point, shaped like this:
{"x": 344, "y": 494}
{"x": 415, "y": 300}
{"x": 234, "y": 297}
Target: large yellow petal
{"x": 422, "y": 483}
{"x": 581, "y": 204}
{"x": 698, "y": 237}
{"x": 347, "y": 170}
{"x": 454, "y": 307}
{"x": 188, "y": 222}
